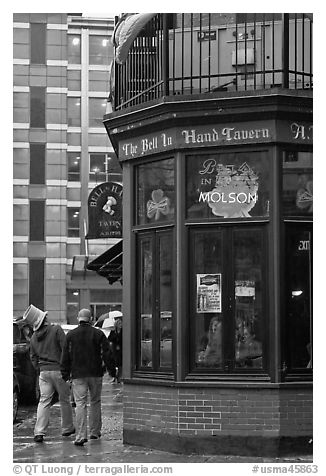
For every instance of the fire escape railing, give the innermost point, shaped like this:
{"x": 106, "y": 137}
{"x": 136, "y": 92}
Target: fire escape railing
{"x": 197, "y": 53}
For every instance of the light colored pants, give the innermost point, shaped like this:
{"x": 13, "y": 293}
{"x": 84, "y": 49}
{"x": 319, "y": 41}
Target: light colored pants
{"x": 51, "y": 381}
{"x": 80, "y": 388}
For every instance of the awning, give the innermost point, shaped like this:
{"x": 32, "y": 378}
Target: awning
{"x": 109, "y": 263}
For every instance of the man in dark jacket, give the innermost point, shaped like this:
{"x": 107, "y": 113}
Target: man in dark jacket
{"x": 85, "y": 355}
{"x": 45, "y": 351}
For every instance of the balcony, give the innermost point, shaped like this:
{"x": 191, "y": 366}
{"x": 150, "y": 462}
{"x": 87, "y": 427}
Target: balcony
{"x": 184, "y": 54}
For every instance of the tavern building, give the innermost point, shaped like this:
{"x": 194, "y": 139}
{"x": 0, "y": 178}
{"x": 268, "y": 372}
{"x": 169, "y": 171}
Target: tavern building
{"x": 217, "y": 294}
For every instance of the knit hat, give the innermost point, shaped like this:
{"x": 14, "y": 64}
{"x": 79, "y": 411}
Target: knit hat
{"x": 34, "y": 316}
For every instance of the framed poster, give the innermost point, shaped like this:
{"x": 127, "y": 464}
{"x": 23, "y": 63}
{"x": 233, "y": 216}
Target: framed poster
{"x": 209, "y": 293}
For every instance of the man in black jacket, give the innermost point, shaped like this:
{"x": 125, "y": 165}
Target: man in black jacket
{"x": 85, "y": 355}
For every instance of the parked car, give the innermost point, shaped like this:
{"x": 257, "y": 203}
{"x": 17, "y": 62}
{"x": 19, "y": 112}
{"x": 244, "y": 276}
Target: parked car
{"x": 25, "y": 373}
{"x": 15, "y": 396}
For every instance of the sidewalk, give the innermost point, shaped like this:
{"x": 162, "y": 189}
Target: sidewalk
{"x": 109, "y": 448}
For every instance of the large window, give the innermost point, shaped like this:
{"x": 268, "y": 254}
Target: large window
{"x": 101, "y": 165}
{"x": 226, "y": 299}
{"x": 297, "y": 184}
{"x": 36, "y": 283}
{"x": 36, "y": 220}
{"x": 38, "y": 43}
{"x": 73, "y": 166}
{"x": 155, "y": 305}
{"x": 73, "y": 222}
{"x": 100, "y": 50}
{"x": 298, "y": 297}
{"x": 37, "y": 163}
{"x": 228, "y": 185}
{"x": 37, "y": 106}
{"x": 156, "y": 194}
{"x": 97, "y": 108}
{"x": 74, "y": 49}
{"x": 74, "y": 112}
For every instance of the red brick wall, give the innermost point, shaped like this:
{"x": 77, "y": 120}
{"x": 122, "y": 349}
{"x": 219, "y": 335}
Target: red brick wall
{"x": 218, "y": 411}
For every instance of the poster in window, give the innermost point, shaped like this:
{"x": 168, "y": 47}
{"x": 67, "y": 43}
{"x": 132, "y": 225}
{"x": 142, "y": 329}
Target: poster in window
{"x": 245, "y": 288}
{"x": 209, "y": 293}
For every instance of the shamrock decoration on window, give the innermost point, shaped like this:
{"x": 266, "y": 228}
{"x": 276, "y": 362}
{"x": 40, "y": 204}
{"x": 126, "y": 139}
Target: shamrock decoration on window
{"x": 159, "y": 204}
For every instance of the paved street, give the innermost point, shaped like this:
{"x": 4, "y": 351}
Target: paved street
{"x": 108, "y": 449}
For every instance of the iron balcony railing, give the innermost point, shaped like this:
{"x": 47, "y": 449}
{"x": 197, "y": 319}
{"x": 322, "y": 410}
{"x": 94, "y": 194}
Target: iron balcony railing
{"x": 199, "y": 53}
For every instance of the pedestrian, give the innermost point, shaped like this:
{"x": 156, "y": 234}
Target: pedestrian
{"x": 86, "y": 355}
{"x": 46, "y": 347}
{"x": 115, "y": 340}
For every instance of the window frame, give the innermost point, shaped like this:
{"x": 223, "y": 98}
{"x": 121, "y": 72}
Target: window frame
{"x": 156, "y": 370}
{"x": 37, "y": 220}
{"x": 228, "y": 368}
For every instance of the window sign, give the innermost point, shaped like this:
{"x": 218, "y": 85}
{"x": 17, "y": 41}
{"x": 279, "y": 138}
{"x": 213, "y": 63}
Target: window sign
{"x": 155, "y": 196}
{"x": 209, "y": 293}
{"x": 297, "y": 183}
{"x": 227, "y": 185}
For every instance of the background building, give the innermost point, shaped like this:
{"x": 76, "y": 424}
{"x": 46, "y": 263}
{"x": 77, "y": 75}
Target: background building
{"x": 60, "y": 153}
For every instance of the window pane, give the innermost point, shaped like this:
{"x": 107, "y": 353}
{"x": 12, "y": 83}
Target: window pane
{"x": 73, "y": 222}
{"x": 146, "y": 303}
{"x": 74, "y": 111}
{"x": 155, "y": 197}
{"x": 97, "y": 108}
{"x": 97, "y": 168}
{"x": 165, "y": 284}
{"x": 37, "y": 164}
{"x": 37, "y": 106}
{"x": 231, "y": 185}
{"x": 74, "y": 43}
{"x": 100, "y": 50}
{"x": 297, "y": 184}
{"x": 206, "y": 247}
{"x": 36, "y": 282}
{"x": 36, "y": 220}
{"x": 38, "y": 43}
{"x": 248, "y": 298}
{"x": 74, "y": 81}
{"x": 73, "y": 166}
{"x": 298, "y": 277}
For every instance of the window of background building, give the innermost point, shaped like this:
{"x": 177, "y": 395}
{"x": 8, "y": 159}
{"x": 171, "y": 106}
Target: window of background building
{"x": 100, "y": 50}
{"x": 97, "y": 108}
{"x": 74, "y": 111}
{"x": 72, "y": 298}
{"x": 98, "y": 81}
{"x": 36, "y": 220}
{"x": 73, "y": 166}
{"x": 74, "y": 48}
{"x": 37, "y": 163}
{"x": 73, "y": 222}
{"x": 74, "y": 81}
{"x": 38, "y": 43}
{"x": 100, "y": 165}
{"x": 37, "y": 106}
{"x": 36, "y": 283}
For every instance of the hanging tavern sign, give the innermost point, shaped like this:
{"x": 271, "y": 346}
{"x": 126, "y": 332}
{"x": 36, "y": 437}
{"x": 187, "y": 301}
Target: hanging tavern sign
{"x": 105, "y": 211}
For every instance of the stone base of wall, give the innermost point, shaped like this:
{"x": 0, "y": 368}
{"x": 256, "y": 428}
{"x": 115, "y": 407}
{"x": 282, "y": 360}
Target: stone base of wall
{"x": 243, "y": 420}
{"x": 220, "y": 445}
